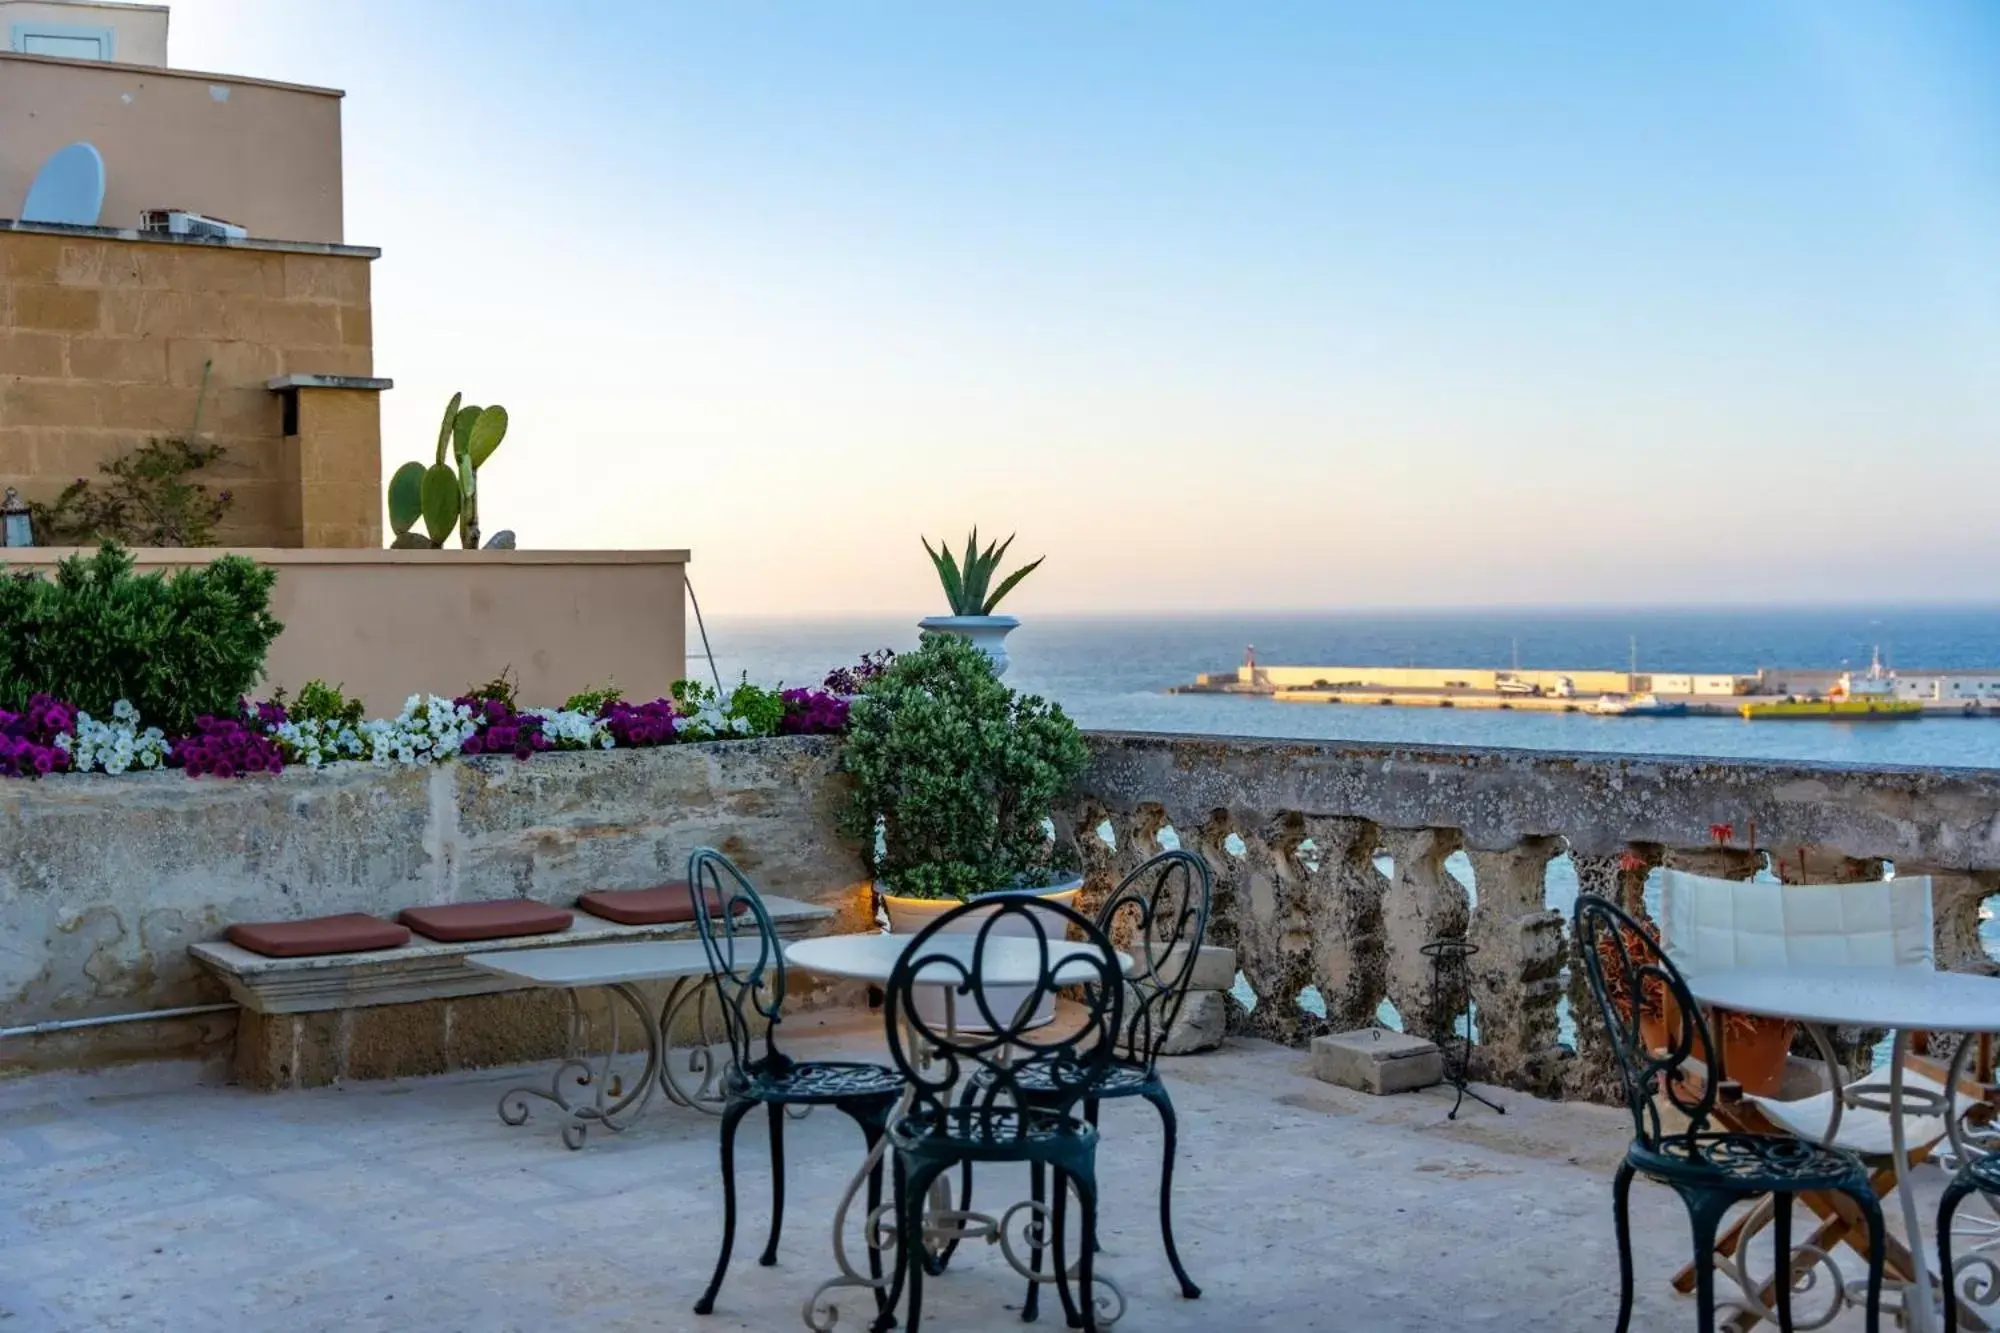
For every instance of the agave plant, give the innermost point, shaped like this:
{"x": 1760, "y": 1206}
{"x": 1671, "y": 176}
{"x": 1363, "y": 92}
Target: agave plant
{"x": 965, "y": 586}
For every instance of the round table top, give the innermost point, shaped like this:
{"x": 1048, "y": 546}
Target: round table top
{"x": 1008, "y": 961}
{"x": 1908, "y": 998}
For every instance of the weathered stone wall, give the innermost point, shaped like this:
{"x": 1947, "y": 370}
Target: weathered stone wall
{"x": 1292, "y": 830}
{"x": 104, "y": 882}
{"x": 104, "y": 340}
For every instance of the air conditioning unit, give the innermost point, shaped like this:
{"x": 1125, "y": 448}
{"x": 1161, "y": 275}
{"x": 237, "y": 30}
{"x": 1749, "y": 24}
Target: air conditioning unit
{"x": 180, "y": 222}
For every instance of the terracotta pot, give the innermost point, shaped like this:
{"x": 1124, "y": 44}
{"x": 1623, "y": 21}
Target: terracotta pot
{"x": 1754, "y": 1058}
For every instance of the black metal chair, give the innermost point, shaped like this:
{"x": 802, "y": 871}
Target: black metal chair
{"x": 1711, "y": 1171}
{"x": 1979, "y": 1175}
{"x": 1159, "y": 914}
{"x": 748, "y": 967}
{"x": 971, "y": 1098}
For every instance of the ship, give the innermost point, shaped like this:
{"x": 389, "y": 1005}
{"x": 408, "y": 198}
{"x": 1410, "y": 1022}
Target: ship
{"x": 1638, "y": 705}
{"x": 1852, "y": 698}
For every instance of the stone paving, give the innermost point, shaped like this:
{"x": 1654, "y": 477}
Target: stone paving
{"x": 137, "y": 1200}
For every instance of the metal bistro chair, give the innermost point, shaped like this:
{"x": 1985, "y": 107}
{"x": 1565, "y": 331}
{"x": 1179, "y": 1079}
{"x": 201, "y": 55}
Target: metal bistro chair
{"x": 1160, "y": 913}
{"x": 748, "y": 965}
{"x": 1712, "y": 1172}
{"x": 1980, "y": 1174}
{"x": 971, "y": 1098}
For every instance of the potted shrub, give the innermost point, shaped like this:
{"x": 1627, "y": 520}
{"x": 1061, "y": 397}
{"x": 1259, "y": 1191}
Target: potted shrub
{"x": 954, "y": 778}
{"x": 966, "y": 592}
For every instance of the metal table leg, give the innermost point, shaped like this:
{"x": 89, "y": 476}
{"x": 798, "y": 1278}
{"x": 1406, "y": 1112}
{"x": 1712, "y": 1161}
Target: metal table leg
{"x": 593, "y": 1094}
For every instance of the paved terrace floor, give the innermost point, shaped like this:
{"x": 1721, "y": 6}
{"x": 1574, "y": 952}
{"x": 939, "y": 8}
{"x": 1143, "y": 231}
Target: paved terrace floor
{"x": 131, "y": 1203}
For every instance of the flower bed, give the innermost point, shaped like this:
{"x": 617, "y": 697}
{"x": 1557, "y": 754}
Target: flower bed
{"x": 321, "y": 726}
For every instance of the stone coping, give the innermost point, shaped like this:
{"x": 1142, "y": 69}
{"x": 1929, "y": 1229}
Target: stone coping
{"x": 176, "y": 557}
{"x": 364, "y": 382}
{"x": 170, "y": 71}
{"x": 1932, "y": 818}
{"x": 427, "y": 969}
{"x": 210, "y": 242}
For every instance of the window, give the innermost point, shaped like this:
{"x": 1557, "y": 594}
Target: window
{"x": 62, "y": 39}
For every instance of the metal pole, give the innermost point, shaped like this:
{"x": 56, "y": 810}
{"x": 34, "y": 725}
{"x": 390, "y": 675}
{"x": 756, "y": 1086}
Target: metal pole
{"x": 105, "y": 1020}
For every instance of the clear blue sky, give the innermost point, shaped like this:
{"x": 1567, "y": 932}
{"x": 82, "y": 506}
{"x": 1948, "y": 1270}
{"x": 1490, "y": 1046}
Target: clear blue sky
{"x": 1273, "y": 305}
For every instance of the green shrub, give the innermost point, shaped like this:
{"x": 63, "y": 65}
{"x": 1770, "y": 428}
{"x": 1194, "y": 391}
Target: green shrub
{"x": 592, "y": 702}
{"x": 323, "y": 703}
{"x": 958, "y": 774}
{"x": 176, "y": 645}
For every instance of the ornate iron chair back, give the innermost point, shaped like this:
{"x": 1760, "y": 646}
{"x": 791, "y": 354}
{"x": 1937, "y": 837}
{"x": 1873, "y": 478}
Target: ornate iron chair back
{"x": 744, "y": 958}
{"x": 1630, "y": 976}
{"x": 1160, "y": 913}
{"x": 976, "y": 1073}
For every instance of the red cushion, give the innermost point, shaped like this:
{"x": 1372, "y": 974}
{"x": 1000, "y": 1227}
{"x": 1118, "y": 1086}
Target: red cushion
{"x": 658, "y": 906}
{"x": 500, "y": 919}
{"x": 351, "y": 933}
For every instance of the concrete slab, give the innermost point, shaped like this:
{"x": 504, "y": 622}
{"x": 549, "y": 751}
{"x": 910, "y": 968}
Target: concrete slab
{"x": 1377, "y": 1061}
{"x": 138, "y": 1202}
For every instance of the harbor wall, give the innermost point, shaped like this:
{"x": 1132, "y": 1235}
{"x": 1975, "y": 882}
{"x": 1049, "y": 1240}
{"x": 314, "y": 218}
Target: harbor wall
{"x": 1422, "y": 678}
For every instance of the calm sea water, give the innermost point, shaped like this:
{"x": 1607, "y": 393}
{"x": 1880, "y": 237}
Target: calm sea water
{"x": 1113, "y": 672}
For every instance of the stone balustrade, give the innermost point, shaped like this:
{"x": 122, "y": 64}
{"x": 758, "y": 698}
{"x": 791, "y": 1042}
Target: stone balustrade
{"x": 1296, "y": 832}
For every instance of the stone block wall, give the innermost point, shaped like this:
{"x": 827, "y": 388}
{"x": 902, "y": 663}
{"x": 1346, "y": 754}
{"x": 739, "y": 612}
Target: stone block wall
{"x": 103, "y": 340}
{"x": 105, "y": 882}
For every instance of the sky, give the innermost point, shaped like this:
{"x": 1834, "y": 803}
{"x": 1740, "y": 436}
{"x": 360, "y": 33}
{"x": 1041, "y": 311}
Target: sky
{"x": 1220, "y": 307}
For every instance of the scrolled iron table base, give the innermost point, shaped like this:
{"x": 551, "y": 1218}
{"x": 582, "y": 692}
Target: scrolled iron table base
{"x": 945, "y": 1225}
{"x": 588, "y": 1092}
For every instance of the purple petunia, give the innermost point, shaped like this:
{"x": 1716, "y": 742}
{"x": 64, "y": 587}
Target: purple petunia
{"x": 637, "y": 725}
{"x": 501, "y": 730}
{"x": 28, "y": 746}
{"x": 223, "y": 747}
{"x": 813, "y": 713}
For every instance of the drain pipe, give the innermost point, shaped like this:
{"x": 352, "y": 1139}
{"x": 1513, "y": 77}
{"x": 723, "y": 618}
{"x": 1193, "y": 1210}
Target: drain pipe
{"x": 105, "y": 1020}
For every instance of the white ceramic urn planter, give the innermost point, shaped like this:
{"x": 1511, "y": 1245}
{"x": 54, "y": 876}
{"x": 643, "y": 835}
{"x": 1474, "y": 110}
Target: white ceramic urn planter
{"x": 908, "y": 916}
{"x": 987, "y": 633}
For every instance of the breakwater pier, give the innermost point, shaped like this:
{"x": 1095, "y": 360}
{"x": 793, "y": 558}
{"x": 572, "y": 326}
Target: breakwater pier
{"x": 1585, "y": 690}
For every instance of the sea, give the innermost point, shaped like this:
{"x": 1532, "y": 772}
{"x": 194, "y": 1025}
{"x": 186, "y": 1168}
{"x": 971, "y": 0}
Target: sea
{"x": 1113, "y": 672}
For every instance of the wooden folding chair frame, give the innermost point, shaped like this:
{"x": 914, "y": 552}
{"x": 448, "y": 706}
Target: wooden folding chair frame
{"x": 1840, "y": 1221}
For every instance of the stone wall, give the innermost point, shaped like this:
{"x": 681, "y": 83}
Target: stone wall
{"x": 104, "y": 882}
{"x": 1293, "y": 829}
{"x": 103, "y": 339}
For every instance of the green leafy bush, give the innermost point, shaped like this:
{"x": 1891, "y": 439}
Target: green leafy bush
{"x": 320, "y": 702}
{"x": 958, "y": 774}
{"x": 763, "y": 709}
{"x": 176, "y": 646}
{"x": 146, "y": 501}
{"x": 592, "y": 702}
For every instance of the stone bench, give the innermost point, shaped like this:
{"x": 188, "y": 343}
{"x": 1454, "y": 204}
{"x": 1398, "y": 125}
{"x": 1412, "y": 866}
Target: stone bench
{"x": 418, "y": 1008}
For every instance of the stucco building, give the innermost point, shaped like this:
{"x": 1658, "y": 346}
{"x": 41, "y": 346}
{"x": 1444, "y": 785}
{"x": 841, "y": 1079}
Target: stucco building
{"x": 106, "y": 332}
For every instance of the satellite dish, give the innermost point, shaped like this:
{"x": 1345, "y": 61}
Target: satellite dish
{"x": 69, "y": 188}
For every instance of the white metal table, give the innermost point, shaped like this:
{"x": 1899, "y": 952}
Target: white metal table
{"x": 588, "y": 1096}
{"x": 1906, "y": 999}
{"x": 1005, "y": 962}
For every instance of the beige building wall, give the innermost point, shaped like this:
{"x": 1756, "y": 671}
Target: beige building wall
{"x": 138, "y": 32}
{"x": 387, "y": 624}
{"x": 102, "y": 343}
{"x": 265, "y": 156}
